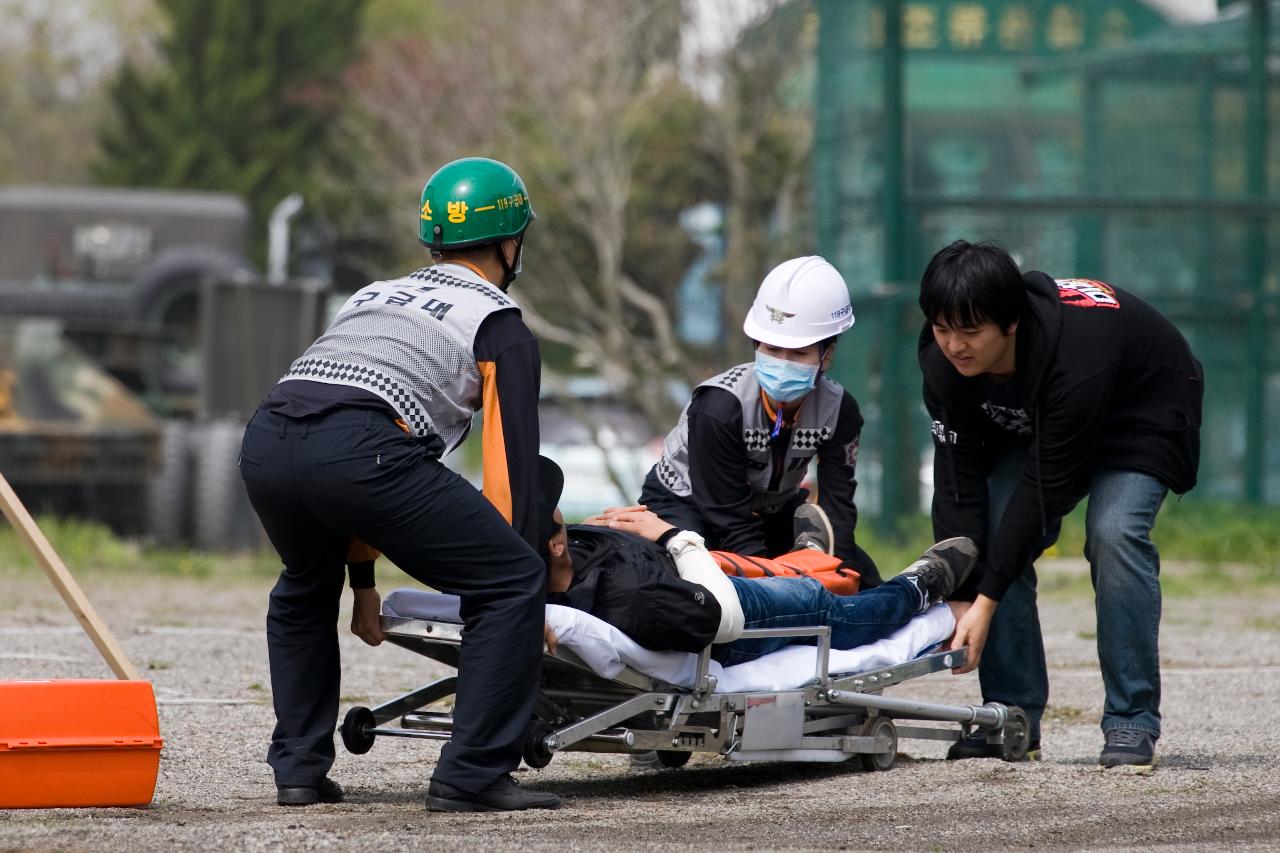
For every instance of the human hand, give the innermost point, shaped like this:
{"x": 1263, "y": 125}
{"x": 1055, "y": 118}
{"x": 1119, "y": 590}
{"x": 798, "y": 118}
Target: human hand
{"x": 549, "y": 637}
{"x": 366, "y": 616}
{"x": 971, "y": 630}
{"x": 638, "y": 521}
{"x": 608, "y": 514}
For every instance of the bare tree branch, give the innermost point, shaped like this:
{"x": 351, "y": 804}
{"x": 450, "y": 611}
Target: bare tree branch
{"x": 571, "y": 94}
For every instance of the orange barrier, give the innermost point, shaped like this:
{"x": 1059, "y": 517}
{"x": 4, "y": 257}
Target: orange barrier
{"x": 805, "y": 563}
{"x": 78, "y": 743}
{"x": 75, "y": 743}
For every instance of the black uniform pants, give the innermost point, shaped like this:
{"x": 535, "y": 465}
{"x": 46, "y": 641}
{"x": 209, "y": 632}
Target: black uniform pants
{"x": 319, "y": 480}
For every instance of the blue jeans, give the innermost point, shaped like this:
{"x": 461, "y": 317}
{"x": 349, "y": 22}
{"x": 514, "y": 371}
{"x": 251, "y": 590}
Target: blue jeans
{"x": 855, "y": 620}
{"x": 1125, "y": 568}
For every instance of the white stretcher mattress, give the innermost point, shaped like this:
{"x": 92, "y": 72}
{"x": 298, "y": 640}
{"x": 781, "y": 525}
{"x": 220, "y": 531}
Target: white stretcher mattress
{"x": 607, "y": 650}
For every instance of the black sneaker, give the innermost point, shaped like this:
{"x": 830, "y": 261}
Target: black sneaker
{"x": 941, "y": 569}
{"x": 504, "y": 795}
{"x": 327, "y": 791}
{"x": 813, "y": 529}
{"x": 1131, "y": 748}
{"x": 975, "y": 746}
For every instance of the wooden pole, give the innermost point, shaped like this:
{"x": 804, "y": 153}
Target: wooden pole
{"x": 66, "y": 585}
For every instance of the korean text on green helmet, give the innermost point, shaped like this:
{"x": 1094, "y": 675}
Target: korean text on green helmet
{"x": 473, "y": 201}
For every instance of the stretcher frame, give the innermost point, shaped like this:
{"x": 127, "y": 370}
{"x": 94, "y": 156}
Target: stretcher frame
{"x": 829, "y": 719}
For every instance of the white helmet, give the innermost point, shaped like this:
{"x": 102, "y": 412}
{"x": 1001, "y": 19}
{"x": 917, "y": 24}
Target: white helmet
{"x": 800, "y": 302}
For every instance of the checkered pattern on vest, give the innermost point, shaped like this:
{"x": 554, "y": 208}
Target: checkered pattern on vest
{"x": 411, "y": 341}
{"x": 338, "y": 373}
{"x": 433, "y": 275}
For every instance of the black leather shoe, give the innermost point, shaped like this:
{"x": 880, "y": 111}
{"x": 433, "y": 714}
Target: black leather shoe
{"x": 504, "y": 795}
{"x": 328, "y": 791}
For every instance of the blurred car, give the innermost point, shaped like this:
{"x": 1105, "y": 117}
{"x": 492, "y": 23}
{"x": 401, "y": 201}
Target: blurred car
{"x": 605, "y": 449}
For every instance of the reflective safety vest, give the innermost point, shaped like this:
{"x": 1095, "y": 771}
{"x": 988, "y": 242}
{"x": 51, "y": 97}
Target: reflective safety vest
{"x": 411, "y": 341}
{"x": 813, "y": 428}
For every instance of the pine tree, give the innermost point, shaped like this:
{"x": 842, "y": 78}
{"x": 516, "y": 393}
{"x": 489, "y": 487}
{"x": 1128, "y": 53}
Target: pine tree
{"x": 242, "y": 100}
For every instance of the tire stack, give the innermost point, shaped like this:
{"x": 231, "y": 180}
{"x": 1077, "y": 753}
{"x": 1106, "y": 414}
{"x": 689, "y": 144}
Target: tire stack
{"x": 196, "y": 496}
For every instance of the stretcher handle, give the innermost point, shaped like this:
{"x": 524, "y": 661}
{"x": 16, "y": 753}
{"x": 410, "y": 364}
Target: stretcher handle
{"x": 822, "y": 632}
{"x": 83, "y": 743}
{"x": 77, "y": 602}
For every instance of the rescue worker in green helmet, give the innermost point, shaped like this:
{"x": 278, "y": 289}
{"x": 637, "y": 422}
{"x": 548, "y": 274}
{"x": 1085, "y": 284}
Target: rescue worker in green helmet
{"x": 732, "y": 467}
{"x": 346, "y": 448}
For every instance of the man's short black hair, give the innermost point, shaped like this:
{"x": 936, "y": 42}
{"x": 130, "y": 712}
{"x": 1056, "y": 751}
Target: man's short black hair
{"x": 967, "y": 284}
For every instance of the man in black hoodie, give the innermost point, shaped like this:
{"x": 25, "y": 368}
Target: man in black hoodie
{"x": 1043, "y": 391}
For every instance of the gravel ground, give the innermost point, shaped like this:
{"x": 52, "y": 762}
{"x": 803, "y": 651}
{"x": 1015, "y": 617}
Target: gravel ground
{"x": 1217, "y": 785}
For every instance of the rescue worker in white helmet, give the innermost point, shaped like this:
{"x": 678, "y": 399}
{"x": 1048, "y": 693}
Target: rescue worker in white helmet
{"x": 732, "y": 468}
{"x": 347, "y": 447}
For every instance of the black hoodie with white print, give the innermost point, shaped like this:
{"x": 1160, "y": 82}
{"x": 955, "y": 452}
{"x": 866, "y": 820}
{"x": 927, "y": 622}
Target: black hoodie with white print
{"x": 1102, "y": 379}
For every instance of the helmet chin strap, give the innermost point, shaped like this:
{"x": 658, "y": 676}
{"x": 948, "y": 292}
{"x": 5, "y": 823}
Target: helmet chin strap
{"x": 510, "y": 271}
{"x": 825, "y": 347}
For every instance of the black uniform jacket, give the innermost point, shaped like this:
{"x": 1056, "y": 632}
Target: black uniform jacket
{"x": 1102, "y": 379}
{"x": 718, "y": 468}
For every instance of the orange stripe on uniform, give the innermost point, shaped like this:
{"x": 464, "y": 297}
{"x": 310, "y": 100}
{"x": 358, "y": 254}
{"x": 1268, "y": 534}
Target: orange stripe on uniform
{"x": 360, "y": 552}
{"x": 497, "y": 474}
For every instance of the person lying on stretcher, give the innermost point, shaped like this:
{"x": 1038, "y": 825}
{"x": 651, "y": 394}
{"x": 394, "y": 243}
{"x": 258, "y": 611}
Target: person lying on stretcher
{"x": 661, "y": 586}
{"x": 632, "y": 589}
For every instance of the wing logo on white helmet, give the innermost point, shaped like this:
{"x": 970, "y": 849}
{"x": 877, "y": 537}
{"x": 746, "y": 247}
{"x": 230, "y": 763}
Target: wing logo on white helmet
{"x": 778, "y": 316}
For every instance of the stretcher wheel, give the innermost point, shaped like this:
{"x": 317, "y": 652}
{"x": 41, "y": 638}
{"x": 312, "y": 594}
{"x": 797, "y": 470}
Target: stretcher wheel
{"x": 536, "y": 754}
{"x": 878, "y": 727}
{"x": 357, "y": 730}
{"x": 1017, "y": 735}
{"x": 673, "y": 759}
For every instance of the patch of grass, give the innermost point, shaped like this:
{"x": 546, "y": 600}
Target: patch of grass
{"x": 1063, "y": 713}
{"x": 353, "y": 698}
{"x": 1087, "y": 635}
{"x": 1073, "y": 584}
{"x": 1190, "y": 580}
{"x": 90, "y": 546}
{"x": 257, "y": 687}
{"x": 1202, "y": 532}
{"x": 1231, "y": 545}
{"x": 1265, "y": 624}
{"x": 159, "y": 664}
{"x": 894, "y": 551}
{"x": 79, "y": 543}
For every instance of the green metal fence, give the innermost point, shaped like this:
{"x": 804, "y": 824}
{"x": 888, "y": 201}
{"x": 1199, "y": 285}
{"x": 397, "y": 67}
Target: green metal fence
{"x": 1101, "y": 142}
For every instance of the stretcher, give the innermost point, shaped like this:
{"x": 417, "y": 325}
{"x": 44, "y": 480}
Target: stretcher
{"x": 600, "y": 692}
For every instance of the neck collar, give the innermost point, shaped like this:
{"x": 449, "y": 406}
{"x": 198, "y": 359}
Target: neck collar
{"x": 790, "y": 411}
{"x": 475, "y": 269}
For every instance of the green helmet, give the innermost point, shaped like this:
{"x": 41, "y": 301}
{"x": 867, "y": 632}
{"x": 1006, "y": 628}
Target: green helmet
{"x": 473, "y": 201}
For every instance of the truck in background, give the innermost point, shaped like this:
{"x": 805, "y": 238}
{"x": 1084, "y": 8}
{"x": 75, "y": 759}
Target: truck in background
{"x": 136, "y": 339}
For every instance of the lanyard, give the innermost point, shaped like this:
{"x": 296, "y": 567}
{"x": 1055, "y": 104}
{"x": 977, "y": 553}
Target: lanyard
{"x": 777, "y": 417}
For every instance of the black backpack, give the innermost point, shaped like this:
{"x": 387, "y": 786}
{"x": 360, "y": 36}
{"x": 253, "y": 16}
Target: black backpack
{"x": 632, "y": 584}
